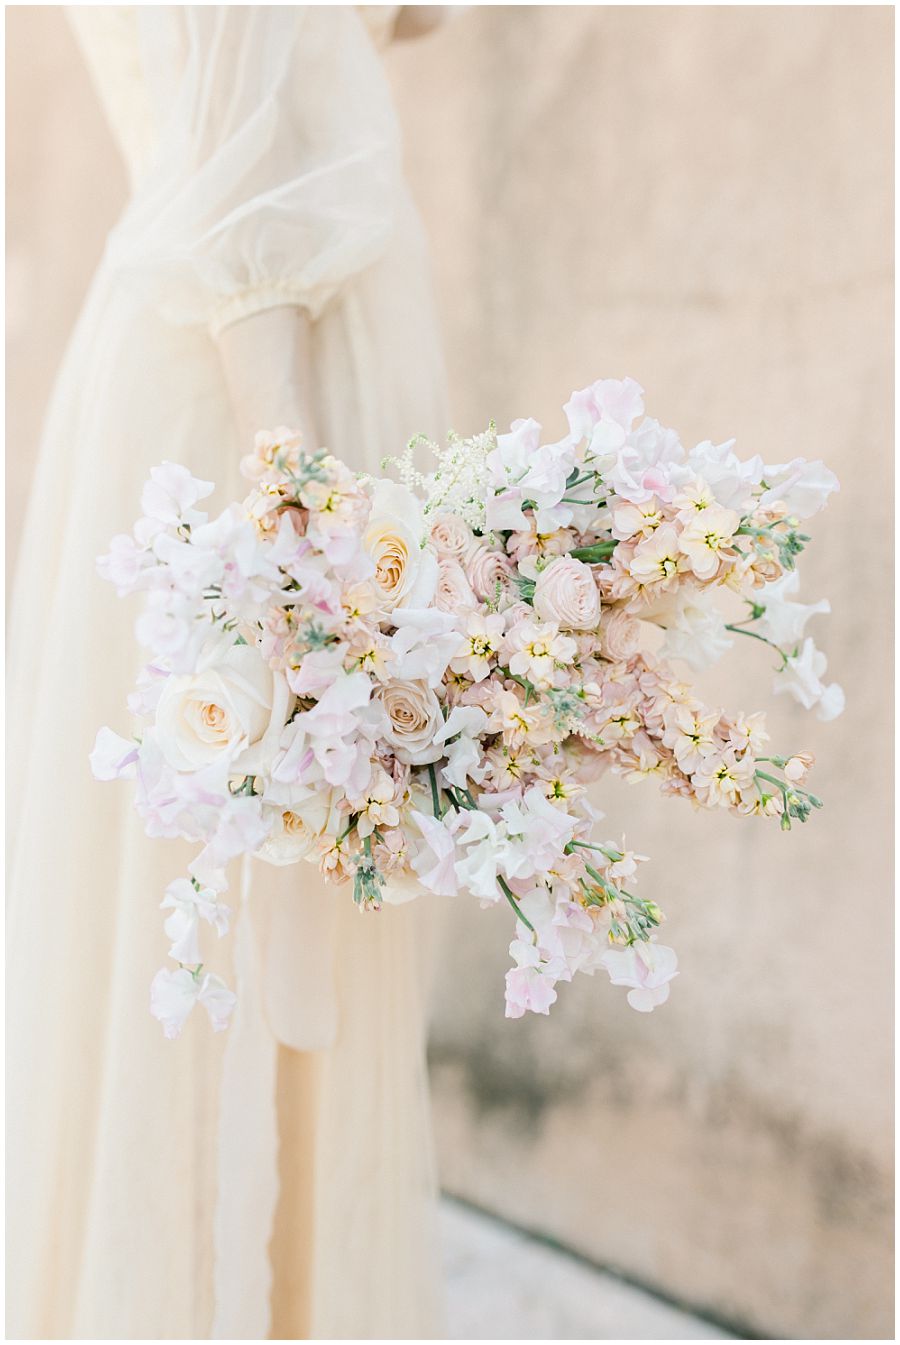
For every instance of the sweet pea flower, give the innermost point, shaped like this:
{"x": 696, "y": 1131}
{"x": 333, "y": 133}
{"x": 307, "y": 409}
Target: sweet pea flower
{"x": 190, "y": 903}
{"x": 647, "y": 968}
{"x": 514, "y": 452}
{"x": 113, "y": 757}
{"x": 731, "y": 480}
{"x": 423, "y": 644}
{"x": 528, "y": 990}
{"x": 695, "y": 632}
{"x": 801, "y": 678}
{"x": 171, "y": 493}
{"x": 436, "y": 863}
{"x": 173, "y": 995}
{"x": 802, "y": 487}
{"x": 783, "y": 621}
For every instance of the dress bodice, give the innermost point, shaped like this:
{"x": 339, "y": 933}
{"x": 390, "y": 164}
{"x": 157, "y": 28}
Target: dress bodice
{"x": 135, "y": 67}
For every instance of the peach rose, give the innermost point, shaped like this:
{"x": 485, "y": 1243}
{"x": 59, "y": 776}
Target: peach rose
{"x": 414, "y": 717}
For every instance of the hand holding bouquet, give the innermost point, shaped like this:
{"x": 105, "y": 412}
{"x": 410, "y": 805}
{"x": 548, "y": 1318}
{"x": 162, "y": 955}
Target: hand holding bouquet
{"x": 412, "y": 684}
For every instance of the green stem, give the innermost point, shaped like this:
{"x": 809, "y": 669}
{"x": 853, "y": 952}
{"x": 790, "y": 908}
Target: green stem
{"x": 753, "y": 635}
{"x": 435, "y": 797}
{"x": 510, "y": 897}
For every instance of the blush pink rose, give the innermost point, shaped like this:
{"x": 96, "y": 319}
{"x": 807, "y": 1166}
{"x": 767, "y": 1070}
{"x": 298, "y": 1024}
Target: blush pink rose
{"x": 566, "y": 593}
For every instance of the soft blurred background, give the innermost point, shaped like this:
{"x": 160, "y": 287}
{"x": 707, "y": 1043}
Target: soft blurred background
{"x": 700, "y": 198}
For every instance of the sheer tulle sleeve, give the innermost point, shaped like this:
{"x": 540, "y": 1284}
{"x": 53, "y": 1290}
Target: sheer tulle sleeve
{"x": 277, "y": 166}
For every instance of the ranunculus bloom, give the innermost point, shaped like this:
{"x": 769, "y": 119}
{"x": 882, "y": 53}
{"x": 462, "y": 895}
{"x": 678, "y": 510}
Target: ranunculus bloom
{"x": 566, "y": 593}
{"x": 232, "y": 705}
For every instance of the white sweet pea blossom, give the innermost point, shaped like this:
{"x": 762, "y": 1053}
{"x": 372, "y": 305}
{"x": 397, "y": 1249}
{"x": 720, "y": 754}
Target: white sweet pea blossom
{"x": 514, "y": 453}
{"x": 461, "y": 736}
{"x": 189, "y": 905}
{"x": 423, "y": 644}
{"x": 126, "y": 565}
{"x": 731, "y": 479}
{"x": 801, "y": 678}
{"x": 173, "y": 995}
{"x": 528, "y": 989}
{"x": 695, "y": 632}
{"x": 647, "y": 968}
{"x": 435, "y": 863}
{"x": 649, "y": 464}
{"x": 171, "y": 493}
{"x": 804, "y": 487}
{"x": 113, "y": 757}
{"x": 784, "y": 622}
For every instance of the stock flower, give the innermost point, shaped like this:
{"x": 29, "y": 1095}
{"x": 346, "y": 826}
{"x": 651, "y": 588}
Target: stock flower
{"x": 537, "y": 648}
{"x": 706, "y": 539}
{"x": 658, "y": 560}
{"x": 480, "y": 645}
{"x": 565, "y": 592}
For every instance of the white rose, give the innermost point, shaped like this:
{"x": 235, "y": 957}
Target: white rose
{"x": 414, "y": 717}
{"x": 405, "y": 573}
{"x": 566, "y": 593}
{"x": 298, "y": 829}
{"x": 235, "y": 706}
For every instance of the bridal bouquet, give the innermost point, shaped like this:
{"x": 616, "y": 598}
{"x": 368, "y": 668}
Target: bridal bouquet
{"x": 412, "y": 683}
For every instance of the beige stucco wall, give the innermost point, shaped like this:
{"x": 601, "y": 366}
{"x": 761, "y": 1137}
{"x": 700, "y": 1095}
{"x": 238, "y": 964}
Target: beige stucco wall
{"x": 699, "y": 198}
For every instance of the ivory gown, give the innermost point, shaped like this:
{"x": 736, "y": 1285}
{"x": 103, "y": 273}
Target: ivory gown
{"x": 145, "y": 1177}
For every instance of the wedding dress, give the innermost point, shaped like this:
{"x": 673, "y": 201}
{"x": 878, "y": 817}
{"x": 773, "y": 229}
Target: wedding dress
{"x": 276, "y": 1179}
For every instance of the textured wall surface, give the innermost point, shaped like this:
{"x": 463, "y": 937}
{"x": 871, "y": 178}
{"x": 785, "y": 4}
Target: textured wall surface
{"x": 700, "y": 198}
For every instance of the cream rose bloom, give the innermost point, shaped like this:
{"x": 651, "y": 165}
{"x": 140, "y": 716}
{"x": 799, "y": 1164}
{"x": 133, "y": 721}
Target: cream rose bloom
{"x": 413, "y": 718}
{"x": 405, "y": 573}
{"x": 300, "y": 827}
{"x": 235, "y": 706}
{"x": 566, "y": 592}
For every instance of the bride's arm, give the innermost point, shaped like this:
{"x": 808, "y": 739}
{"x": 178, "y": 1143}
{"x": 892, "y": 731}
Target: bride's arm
{"x": 267, "y": 364}
{"x": 275, "y": 184}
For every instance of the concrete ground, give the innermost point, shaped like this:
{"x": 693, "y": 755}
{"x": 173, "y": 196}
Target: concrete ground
{"x": 501, "y": 1284}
